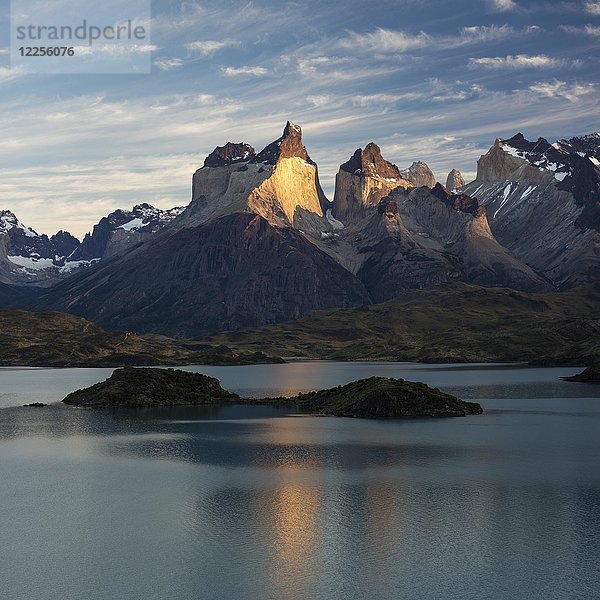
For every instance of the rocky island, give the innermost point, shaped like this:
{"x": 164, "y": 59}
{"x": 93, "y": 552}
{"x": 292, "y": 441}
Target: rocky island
{"x": 385, "y": 398}
{"x": 375, "y": 397}
{"x": 589, "y": 375}
{"x": 130, "y": 387}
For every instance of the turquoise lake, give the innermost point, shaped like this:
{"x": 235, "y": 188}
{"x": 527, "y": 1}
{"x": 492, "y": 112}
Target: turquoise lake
{"x": 260, "y": 503}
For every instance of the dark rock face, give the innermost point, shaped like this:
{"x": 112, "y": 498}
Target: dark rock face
{"x": 422, "y": 237}
{"x": 223, "y": 156}
{"x": 238, "y": 271}
{"x": 370, "y": 163}
{"x": 289, "y": 145}
{"x": 130, "y": 387}
{"x": 458, "y": 202}
{"x": 385, "y": 398}
{"x": 589, "y": 375}
{"x": 35, "y": 405}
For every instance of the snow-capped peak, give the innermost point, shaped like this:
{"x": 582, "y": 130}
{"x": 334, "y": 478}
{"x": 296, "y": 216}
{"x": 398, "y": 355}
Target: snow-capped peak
{"x": 8, "y": 221}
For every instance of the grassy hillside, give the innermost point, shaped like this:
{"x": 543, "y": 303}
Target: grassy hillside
{"x": 53, "y": 339}
{"x": 454, "y": 322}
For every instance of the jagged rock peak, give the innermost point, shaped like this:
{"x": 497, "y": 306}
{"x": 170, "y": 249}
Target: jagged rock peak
{"x": 454, "y": 180}
{"x": 223, "y": 156}
{"x": 458, "y": 202}
{"x": 289, "y": 145}
{"x": 521, "y": 143}
{"x": 8, "y": 221}
{"x": 419, "y": 174}
{"x": 370, "y": 163}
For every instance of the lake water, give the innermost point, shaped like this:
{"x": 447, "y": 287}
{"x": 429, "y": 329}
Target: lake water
{"x": 258, "y": 503}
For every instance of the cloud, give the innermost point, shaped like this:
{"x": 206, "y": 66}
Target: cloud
{"x": 168, "y": 64}
{"x": 478, "y": 34}
{"x": 373, "y": 99}
{"x": 115, "y": 50}
{"x": 206, "y": 47}
{"x": 241, "y": 71}
{"x": 561, "y": 89}
{"x": 315, "y": 64}
{"x": 521, "y": 61}
{"x": 320, "y": 101}
{"x": 10, "y": 73}
{"x": 593, "y": 8}
{"x": 503, "y": 5}
{"x": 385, "y": 40}
{"x": 591, "y": 30}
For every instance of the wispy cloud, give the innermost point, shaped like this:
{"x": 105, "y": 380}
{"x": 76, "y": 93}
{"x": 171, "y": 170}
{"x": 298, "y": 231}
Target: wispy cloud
{"x": 593, "y": 8}
{"x": 244, "y": 71}
{"x": 591, "y": 30}
{"x": 385, "y": 40}
{"x": 503, "y": 5}
{"x": 385, "y": 99}
{"x": 521, "y": 61}
{"x": 168, "y": 64}
{"x": 480, "y": 34}
{"x": 320, "y": 101}
{"x": 10, "y": 73}
{"x": 206, "y": 47}
{"x": 561, "y": 89}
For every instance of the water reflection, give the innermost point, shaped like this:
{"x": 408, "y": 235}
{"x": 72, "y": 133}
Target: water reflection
{"x": 257, "y": 503}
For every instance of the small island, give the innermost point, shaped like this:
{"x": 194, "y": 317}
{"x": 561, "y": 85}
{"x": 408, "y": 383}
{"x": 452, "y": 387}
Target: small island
{"x": 131, "y": 387}
{"x": 589, "y": 375}
{"x": 385, "y": 398}
{"x": 374, "y": 398}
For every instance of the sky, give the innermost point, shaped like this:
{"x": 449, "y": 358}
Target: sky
{"x": 427, "y": 80}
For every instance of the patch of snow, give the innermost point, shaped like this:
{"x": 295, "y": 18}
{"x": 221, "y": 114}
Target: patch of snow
{"x": 76, "y": 264}
{"x": 507, "y": 191}
{"x": 513, "y": 151}
{"x": 8, "y": 221}
{"x": 333, "y": 221}
{"x": 528, "y": 191}
{"x": 32, "y": 264}
{"x": 595, "y": 161}
{"x": 133, "y": 224}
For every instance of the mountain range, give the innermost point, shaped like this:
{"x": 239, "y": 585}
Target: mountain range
{"x": 260, "y": 243}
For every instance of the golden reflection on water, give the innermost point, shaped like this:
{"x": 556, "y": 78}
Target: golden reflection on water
{"x": 296, "y": 507}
